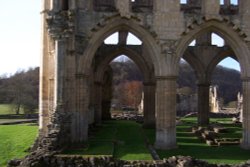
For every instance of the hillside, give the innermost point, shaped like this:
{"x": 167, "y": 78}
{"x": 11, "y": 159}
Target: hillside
{"x": 227, "y": 80}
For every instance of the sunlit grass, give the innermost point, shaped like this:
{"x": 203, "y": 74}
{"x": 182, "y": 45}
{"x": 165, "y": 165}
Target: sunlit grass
{"x": 190, "y": 145}
{"x": 15, "y": 140}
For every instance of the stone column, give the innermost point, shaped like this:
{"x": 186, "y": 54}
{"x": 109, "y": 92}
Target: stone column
{"x": 80, "y": 118}
{"x": 227, "y": 2}
{"x": 98, "y": 102}
{"x": 149, "y": 105}
{"x": 60, "y": 54}
{"x": 204, "y": 39}
{"x": 203, "y": 103}
{"x": 165, "y": 113}
{"x": 44, "y": 73}
{"x": 246, "y": 114}
{"x": 55, "y": 5}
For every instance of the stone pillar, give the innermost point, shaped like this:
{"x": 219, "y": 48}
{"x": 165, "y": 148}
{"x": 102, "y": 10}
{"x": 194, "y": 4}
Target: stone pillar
{"x": 60, "y": 54}
{"x": 203, "y": 103}
{"x": 204, "y": 39}
{"x": 227, "y": 2}
{"x": 44, "y": 73}
{"x": 123, "y": 35}
{"x": 149, "y": 105}
{"x": 165, "y": 113}
{"x": 79, "y": 127}
{"x": 55, "y": 5}
{"x": 98, "y": 102}
{"x": 246, "y": 114}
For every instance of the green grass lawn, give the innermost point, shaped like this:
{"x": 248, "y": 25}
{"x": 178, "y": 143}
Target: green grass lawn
{"x": 15, "y": 140}
{"x": 125, "y": 140}
{"x": 121, "y": 139}
{"x": 190, "y": 145}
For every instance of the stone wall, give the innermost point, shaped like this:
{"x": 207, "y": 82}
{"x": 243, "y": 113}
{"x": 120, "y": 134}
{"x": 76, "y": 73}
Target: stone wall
{"x": 103, "y": 161}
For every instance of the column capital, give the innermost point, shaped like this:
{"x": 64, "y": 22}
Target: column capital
{"x": 60, "y": 24}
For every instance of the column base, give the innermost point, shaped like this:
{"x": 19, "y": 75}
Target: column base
{"x": 165, "y": 146}
{"x": 166, "y": 139}
{"x": 203, "y": 122}
{"x": 245, "y": 146}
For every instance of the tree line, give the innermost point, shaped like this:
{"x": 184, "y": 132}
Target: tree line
{"x": 22, "y": 88}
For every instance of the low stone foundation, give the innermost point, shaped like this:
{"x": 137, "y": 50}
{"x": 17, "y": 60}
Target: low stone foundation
{"x": 104, "y": 161}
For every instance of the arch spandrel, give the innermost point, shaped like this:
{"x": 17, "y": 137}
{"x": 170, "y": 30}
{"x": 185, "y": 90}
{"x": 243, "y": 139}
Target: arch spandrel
{"x": 115, "y": 25}
{"x": 232, "y": 38}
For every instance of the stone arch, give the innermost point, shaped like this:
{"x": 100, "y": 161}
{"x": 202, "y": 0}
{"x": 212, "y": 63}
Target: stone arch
{"x": 232, "y": 38}
{"x": 114, "y": 25}
{"x": 222, "y": 55}
{"x": 196, "y": 64}
{"x": 144, "y": 66}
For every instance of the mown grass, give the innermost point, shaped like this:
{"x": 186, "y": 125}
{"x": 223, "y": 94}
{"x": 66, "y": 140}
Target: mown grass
{"x": 15, "y": 140}
{"x": 190, "y": 145}
{"x": 124, "y": 140}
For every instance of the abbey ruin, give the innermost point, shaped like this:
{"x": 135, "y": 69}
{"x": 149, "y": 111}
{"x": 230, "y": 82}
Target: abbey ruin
{"x": 75, "y": 77}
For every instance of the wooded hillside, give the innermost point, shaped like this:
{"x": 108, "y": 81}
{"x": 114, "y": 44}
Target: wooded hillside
{"x": 21, "y": 89}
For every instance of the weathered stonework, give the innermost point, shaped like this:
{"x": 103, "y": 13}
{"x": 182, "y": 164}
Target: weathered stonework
{"x": 72, "y": 60}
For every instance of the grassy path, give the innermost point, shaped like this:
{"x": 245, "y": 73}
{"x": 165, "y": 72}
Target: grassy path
{"x": 131, "y": 145}
{"x": 121, "y": 139}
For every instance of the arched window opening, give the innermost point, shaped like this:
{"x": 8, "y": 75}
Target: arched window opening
{"x": 234, "y": 2}
{"x": 186, "y": 91}
{"x": 193, "y": 43}
{"x": 127, "y": 85}
{"x": 183, "y": 1}
{"x": 217, "y": 40}
{"x": 226, "y": 88}
{"x": 112, "y": 39}
{"x": 133, "y": 40}
{"x": 122, "y": 38}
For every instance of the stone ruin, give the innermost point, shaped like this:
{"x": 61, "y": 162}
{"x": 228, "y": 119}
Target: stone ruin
{"x": 75, "y": 61}
{"x": 240, "y": 106}
{"x": 214, "y": 100}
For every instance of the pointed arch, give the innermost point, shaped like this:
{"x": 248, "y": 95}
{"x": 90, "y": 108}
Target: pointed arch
{"x": 231, "y": 37}
{"x": 114, "y": 25}
{"x": 222, "y": 55}
{"x": 137, "y": 58}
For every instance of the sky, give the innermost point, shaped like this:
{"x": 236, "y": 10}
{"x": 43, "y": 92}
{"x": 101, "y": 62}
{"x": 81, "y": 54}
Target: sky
{"x": 20, "y": 36}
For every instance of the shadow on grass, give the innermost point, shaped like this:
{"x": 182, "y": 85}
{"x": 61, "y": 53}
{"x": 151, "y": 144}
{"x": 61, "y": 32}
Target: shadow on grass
{"x": 121, "y": 139}
{"x": 225, "y": 154}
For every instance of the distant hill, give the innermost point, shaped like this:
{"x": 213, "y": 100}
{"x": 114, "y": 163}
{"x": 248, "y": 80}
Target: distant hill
{"x": 227, "y": 80}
